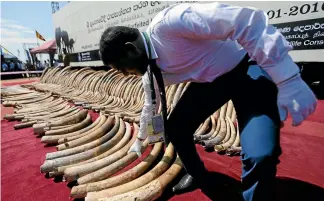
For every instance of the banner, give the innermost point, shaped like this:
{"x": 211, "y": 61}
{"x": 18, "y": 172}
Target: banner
{"x": 78, "y": 27}
{"x": 303, "y": 35}
{"x": 87, "y": 56}
{"x": 28, "y": 56}
{"x": 33, "y": 56}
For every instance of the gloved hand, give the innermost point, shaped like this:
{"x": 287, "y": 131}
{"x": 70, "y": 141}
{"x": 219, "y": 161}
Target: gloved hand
{"x": 136, "y": 147}
{"x": 295, "y": 97}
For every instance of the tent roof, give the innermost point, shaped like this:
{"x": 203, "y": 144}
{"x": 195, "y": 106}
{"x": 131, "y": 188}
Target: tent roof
{"x": 8, "y": 56}
{"x": 47, "y": 47}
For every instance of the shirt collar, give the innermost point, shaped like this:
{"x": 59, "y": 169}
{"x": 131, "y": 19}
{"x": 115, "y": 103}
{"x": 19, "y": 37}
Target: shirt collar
{"x": 154, "y": 55}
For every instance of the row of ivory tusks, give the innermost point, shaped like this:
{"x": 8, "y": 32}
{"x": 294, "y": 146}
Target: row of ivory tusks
{"x": 94, "y": 153}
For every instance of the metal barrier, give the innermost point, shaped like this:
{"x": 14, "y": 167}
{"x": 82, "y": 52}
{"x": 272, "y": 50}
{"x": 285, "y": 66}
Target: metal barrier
{"x": 27, "y": 73}
{"x": 20, "y": 72}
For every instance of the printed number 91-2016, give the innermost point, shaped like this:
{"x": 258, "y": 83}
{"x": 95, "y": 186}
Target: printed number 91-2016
{"x": 304, "y": 9}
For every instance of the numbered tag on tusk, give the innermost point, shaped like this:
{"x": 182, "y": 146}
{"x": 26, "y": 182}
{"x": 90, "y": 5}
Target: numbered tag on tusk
{"x": 156, "y": 129}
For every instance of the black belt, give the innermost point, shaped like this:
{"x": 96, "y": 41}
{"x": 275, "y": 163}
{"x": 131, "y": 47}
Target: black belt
{"x": 244, "y": 64}
{"x": 247, "y": 60}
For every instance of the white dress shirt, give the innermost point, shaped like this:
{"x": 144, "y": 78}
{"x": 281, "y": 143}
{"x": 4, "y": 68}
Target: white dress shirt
{"x": 199, "y": 42}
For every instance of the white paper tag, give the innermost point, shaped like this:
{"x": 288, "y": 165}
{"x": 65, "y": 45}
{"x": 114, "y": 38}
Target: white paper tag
{"x": 158, "y": 124}
{"x": 156, "y": 129}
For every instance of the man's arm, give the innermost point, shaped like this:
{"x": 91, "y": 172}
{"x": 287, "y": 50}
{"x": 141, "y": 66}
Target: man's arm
{"x": 146, "y": 114}
{"x": 248, "y": 26}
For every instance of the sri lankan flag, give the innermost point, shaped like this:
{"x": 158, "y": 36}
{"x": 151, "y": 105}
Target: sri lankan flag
{"x": 40, "y": 36}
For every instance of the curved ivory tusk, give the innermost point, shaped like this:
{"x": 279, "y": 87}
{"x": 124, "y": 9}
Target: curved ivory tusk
{"x": 135, "y": 172}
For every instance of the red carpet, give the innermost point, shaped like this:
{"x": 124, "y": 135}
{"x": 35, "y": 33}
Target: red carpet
{"x": 301, "y": 169}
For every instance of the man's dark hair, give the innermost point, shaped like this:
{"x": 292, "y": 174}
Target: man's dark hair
{"x": 112, "y": 43}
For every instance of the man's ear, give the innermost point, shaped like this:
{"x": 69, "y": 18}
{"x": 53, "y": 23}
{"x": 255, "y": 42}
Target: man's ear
{"x": 130, "y": 47}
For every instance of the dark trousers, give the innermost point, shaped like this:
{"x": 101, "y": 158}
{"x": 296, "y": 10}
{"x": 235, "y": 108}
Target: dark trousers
{"x": 254, "y": 96}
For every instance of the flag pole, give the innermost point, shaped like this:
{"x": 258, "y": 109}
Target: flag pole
{"x": 38, "y": 46}
{"x": 40, "y": 55}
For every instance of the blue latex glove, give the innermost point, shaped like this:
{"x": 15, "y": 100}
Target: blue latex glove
{"x": 295, "y": 97}
{"x": 136, "y": 147}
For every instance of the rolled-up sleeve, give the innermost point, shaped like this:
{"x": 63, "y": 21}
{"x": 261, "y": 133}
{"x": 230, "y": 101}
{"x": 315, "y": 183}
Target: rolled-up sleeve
{"x": 147, "y": 111}
{"x": 248, "y": 26}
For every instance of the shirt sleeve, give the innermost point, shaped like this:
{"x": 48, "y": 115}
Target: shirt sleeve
{"x": 147, "y": 113}
{"x": 248, "y": 26}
